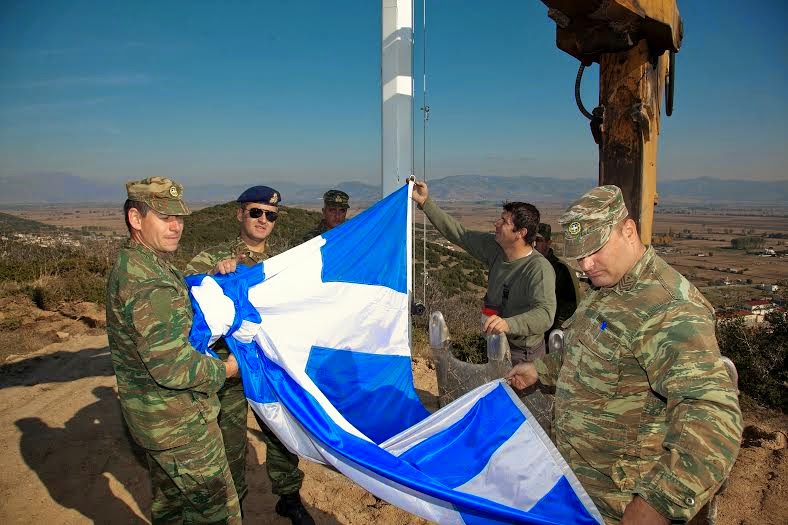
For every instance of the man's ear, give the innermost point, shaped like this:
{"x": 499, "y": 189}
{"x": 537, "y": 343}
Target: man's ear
{"x": 135, "y": 218}
{"x": 239, "y": 214}
{"x": 630, "y": 229}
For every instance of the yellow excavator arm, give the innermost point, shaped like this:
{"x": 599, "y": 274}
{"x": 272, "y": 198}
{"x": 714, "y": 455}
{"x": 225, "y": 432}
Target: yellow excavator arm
{"x": 634, "y": 42}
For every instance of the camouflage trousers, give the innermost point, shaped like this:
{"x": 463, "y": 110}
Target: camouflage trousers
{"x": 232, "y": 422}
{"x": 281, "y": 464}
{"x": 192, "y": 483}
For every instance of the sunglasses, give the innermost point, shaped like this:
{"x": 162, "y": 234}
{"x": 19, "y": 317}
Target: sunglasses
{"x": 256, "y": 213}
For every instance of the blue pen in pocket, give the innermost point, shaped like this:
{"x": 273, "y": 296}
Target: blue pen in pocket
{"x": 601, "y": 329}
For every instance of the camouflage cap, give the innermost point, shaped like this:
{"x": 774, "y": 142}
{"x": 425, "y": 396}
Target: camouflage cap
{"x": 544, "y": 231}
{"x": 587, "y": 223}
{"x": 160, "y": 193}
{"x": 336, "y": 199}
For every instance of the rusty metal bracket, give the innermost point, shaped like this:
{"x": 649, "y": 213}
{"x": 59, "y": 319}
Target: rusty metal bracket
{"x": 640, "y": 114}
{"x": 597, "y": 123}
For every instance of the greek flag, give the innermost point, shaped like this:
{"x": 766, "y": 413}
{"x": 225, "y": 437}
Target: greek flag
{"x": 321, "y": 334}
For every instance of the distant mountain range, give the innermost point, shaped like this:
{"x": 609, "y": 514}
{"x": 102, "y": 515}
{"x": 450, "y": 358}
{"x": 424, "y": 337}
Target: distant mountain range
{"x": 66, "y": 188}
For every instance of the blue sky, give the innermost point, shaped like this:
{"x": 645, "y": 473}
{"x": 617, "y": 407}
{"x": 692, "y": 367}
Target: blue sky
{"x": 284, "y": 90}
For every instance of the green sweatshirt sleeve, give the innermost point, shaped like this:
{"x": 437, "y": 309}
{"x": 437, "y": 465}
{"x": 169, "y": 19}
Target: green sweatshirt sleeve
{"x": 538, "y": 289}
{"x": 480, "y": 245}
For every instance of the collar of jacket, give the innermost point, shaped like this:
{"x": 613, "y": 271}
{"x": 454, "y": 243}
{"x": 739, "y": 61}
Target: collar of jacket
{"x": 156, "y": 257}
{"x": 241, "y": 249}
{"x": 635, "y": 274}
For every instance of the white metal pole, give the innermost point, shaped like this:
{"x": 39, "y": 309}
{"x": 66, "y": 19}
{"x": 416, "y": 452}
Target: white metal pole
{"x": 396, "y": 71}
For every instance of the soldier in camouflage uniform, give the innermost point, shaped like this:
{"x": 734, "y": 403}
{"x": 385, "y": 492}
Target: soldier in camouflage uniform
{"x": 646, "y": 414}
{"x": 335, "y": 206}
{"x": 257, "y": 213}
{"x": 167, "y": 389}
{"x": 567, "y": 286}
{"x": 520, "y": 299}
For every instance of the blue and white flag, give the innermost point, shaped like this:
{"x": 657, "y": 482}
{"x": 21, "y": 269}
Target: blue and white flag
{"x": 321, "y": 333}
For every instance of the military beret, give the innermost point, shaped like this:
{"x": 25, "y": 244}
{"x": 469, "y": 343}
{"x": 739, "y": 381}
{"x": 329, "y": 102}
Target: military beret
{"x": 336, "y": 199}
{"x": 588, "y": 222}
{"x": 160, "y": 193}
{"x": 544, "y": 231}
{"x": 261, "y": 194}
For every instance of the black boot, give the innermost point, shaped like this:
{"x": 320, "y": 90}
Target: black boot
{"x": 290, "y": 506}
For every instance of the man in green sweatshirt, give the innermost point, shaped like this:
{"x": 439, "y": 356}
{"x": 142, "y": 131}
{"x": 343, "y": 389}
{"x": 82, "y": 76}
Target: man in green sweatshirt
{"x": 520, "y": 300}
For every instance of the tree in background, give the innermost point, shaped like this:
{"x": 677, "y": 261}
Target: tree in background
{"x": 747, "y": 243}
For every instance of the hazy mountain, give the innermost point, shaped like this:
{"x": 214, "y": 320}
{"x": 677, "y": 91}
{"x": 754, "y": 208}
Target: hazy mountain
{"x": 56, "y": 188}
{"x": 67, "y": 188}
{"x": 479, "y": 188}
{"x": 49, "y": 188}
{"x": 705, "y": 190}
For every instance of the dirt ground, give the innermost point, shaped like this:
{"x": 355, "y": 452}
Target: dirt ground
{"x": 69, "y": 459}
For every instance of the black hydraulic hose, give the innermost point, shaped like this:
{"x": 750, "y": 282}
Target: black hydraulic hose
{"x": 579, "y": 100}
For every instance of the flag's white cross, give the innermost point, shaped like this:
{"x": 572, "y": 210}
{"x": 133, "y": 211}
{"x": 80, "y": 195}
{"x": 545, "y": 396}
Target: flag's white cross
{"x": 283, "y": 329}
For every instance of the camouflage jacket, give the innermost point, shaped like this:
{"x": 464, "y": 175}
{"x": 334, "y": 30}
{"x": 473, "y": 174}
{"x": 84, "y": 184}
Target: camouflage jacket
{"x": 567, "y": 289}
{"x": 205, "y": 262}
{"x": 643, "y": 402}
{"x": 530, "y": 281}
{"x": 167, "y": 390}
{"x": 320, "y": 229}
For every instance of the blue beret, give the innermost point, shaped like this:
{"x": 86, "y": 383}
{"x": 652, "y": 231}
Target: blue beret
{"x": 262, "y": 194}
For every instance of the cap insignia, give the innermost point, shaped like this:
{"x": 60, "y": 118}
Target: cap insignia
{"x": 573, "y": 229}
{"x": 274, "y": 198}
{"x": 173, "y": 191}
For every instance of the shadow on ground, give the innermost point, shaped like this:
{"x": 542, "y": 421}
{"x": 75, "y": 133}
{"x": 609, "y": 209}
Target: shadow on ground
{"x": 89, "y": 462}
{"x": 57, "y": 367}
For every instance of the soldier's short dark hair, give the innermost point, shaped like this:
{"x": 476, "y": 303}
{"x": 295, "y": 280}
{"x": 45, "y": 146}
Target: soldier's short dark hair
{"x": 138, "y": 205}
{"x": 526, "y": 216}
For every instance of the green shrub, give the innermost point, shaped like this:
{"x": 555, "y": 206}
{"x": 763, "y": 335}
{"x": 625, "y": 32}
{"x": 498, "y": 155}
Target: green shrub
{"x": 760, "y": 354}
{"x": 470, "y": 347}
{"x": 73, "y": 285}
{"x": 21, "y": 263}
